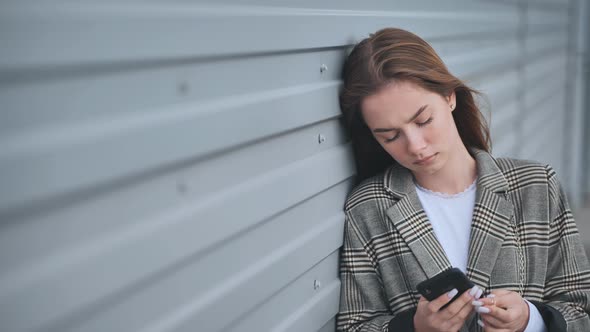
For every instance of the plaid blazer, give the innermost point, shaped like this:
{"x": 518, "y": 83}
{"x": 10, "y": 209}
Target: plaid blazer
{"x": 522, "y": 232}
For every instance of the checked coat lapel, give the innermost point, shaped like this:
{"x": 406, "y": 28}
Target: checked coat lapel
{"x": 413, "y": 225}
{"x": 492, "y": 217}
{"x": 491, "y": 220}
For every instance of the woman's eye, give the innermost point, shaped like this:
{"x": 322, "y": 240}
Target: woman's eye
{"x": 421, "y": 124}
{"x": 392, "y": 138}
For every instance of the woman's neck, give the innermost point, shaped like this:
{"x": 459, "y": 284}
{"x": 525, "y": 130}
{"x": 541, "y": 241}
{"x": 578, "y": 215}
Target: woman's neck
{"x": 458, "y": 173}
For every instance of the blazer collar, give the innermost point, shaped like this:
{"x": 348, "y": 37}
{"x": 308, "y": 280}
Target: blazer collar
{"x": 398, "y": 180}
{"x": 491, "y": 220}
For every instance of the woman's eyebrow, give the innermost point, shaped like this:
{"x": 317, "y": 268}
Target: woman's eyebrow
{"x": 417, "y": 114}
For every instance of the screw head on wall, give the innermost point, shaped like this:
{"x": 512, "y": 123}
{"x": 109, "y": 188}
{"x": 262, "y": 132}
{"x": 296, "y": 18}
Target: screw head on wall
{"x": 317, "y": 284}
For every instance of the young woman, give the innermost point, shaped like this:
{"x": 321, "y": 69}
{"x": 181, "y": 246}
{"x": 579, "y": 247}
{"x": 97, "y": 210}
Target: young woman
{"x": 432, "y": 198}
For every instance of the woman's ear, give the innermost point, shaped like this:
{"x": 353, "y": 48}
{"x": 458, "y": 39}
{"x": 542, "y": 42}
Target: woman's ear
{"x": 452, "y": 100}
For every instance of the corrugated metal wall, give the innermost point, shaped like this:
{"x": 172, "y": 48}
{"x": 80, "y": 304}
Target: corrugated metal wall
{"x": 579, "y": 151}
{"x": 583, "y": 95}
{"x": 181, "y": 166}
{"x": 545, "y": 96}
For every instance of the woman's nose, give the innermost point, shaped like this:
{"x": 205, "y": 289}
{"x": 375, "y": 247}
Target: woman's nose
{"x": 416, "y": 142}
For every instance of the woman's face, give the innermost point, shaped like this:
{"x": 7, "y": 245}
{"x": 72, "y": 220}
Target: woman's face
{"x": 413, "y": 125}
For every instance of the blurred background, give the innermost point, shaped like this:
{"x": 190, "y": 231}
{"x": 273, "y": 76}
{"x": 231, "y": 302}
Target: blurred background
{"x": 181, "y": 166}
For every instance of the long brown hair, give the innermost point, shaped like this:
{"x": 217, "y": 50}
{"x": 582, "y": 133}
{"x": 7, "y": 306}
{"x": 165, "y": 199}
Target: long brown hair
{"x": 391, "y": 55}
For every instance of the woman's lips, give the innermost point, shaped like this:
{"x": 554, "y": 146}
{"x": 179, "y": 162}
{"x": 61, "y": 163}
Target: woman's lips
{"x": 425, "y": 160}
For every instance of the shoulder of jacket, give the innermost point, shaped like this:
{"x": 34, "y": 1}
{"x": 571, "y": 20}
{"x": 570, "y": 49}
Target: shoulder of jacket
{"x": 368, "y": 190}
{"x": 517, "y": 170}
{"x": 514, "y": 166}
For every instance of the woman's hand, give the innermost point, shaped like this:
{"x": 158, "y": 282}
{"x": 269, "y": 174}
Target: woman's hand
{"x": 430, "y": 317}
{"x": 502, "y": 311}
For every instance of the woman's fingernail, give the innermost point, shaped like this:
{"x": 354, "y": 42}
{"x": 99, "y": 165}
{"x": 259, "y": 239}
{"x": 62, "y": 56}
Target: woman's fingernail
{"x": 491, "y": 295}
{"x": 483, "y": 310}
{"x": 480, "y": 323}
{"x": 477, "y": 303}
{"x": 473, "y": 290}
{"x": 479, "y": 293}
{"x": 452, "y": 293}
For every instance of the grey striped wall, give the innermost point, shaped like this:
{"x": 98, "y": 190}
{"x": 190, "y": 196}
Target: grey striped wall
{"x": 582, "y": 99}
{"x": 181, "y": 166}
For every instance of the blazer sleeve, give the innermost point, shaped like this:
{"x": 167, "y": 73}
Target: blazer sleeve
{"x": 565, "y": 305}
{"x": 363, "y": 303}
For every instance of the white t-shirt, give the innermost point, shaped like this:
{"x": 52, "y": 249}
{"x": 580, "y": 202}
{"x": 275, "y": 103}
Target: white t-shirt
{"x": 450, "y": 217}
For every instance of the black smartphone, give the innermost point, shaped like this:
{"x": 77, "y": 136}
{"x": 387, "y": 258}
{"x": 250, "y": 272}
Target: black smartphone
{"x": 444, "y": 282}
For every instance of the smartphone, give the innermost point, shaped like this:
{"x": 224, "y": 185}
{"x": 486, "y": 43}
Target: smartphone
{"x": 443, "y": 283}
